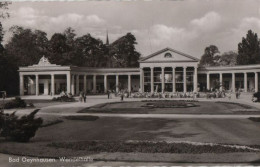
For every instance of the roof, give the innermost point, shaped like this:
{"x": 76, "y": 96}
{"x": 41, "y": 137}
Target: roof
{"x": 168, "y": 49}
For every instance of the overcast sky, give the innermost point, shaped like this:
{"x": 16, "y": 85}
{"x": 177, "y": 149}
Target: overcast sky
{"x": 188, "y": 26}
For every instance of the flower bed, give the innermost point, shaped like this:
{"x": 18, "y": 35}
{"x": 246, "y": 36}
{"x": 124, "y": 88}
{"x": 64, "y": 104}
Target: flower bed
{"x": 165, "y": 95}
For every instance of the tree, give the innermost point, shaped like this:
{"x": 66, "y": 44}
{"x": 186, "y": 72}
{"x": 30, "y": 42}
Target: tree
{"x": 249, "y": 49}
{"x": 58, "y": 49}
{"x": 228, "y": 59}
{"x": 123, "y": 51}
{"x": 26, "y": 46}
{"x": 210, "y": 56}
{"x": 91, "y": 52}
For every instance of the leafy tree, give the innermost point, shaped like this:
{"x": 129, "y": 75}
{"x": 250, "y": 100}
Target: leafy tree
{"x": 58, "y": 49}
{"x": 210, "y": 56}
{"x": 249, "y": 49}
{"x": 123, "y": 52}
{"x": 228, "y": 59}
{"x": 91, "y": 52}
{"x": 26, "y": 46}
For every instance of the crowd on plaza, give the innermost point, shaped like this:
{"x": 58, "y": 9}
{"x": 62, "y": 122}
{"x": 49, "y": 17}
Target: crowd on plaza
{"x": 209, "y": 94}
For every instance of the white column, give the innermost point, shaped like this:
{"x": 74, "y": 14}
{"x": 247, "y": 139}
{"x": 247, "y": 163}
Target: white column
{"x": 256, "y": 81}
{"x": 73, "y": 84}
{"x": 85, "y": 83}
{"x": 105, "y": 83}
{"x": 173, "y": 80}
{"x": 117, "y": 83}
{"x": 245, "y": 81}
{"x": 163, "y": 84}
{"x": 195, "y": 79}
{"x": 68, "y": 83}
{"x": 77, "y": 84}
{"x": 21, "y": 85}
{"x": 141, "y": 80}
{"x": 184, "y": 80}
{"x": 152, "y": 80}
{"x": 208, "y": 81}
{"x": 221, "y": 81}
{"x": 94, "y": 83}
{"x": 129, "y": 83}
{"x": 52, "y": 85}
{"x": 37, "y": 84}
{"x": 233, "y": 82}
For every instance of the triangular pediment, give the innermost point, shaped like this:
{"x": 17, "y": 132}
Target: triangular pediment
{"x": 168, "y": 55}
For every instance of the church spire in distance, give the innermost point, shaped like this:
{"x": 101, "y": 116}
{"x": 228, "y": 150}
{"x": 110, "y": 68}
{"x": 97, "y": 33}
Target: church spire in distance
{"x": 107, "y": 42}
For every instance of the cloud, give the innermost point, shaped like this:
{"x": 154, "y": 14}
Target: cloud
{"x": 208, "y": 22}
{"x": 160, "y": 36}
{"x": 250, "y": 23}
{"x": 39, "y": 19}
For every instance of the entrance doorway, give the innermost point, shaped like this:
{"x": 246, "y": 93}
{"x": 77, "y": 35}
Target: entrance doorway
{"x": 41, "y": 88}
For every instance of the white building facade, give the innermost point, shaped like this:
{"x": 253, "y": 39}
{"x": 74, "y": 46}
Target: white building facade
{"x": 167, "y": 70}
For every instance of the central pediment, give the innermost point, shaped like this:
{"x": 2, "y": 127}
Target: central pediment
{"x": 168, "y": 55}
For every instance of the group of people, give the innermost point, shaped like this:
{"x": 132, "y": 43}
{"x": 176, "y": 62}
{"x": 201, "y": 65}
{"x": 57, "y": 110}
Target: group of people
{"x": 83, "y": 97}
{"x": 221, "y": 94}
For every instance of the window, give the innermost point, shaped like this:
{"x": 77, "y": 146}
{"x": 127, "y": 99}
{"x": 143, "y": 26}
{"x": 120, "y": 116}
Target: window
{"x": 168, "y": 55}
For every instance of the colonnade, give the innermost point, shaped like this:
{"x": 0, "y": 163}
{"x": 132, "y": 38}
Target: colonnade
{"x": 72, "y": 81}
{"x": 195, "y": 78}
{"x": 233, "y": 81}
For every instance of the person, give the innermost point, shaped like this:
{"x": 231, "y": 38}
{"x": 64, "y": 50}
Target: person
{"x": 237, "y": 93}
{"x": 80, "y": 96}
{"x": 122, "y": 96}
{"x": 85, "y": 97}
{"x": 108, "y": 94}
{"x": 229, "y": 95}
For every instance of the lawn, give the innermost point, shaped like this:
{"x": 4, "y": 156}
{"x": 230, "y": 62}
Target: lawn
{"x": 75, "y": 136}
{"x": 91, "y": 135}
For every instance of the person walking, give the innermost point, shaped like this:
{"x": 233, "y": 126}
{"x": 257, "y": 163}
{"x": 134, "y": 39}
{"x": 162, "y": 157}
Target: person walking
{"x": 80, "y": 97}
{"x": 85, "y": 97}
{"x": 108, "y": 94}
{"x": 122, "y": 96}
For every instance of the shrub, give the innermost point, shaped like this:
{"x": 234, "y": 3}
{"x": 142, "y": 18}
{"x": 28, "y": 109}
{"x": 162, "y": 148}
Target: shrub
{"x": 16, "y": 103}
{"x": 82, "y": 118}
{"x": 64, "y": 98}
{"x": 19, "y": 129}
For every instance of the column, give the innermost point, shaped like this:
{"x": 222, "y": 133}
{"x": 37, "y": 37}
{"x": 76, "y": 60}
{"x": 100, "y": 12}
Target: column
{"x": 68, "y": 83}
{"x": 21, "y": 85}
{"x": 117, "y": 83}
{"x": 73, "y": 84}
{"x": 208, "y": 81}
{"x": 256, "y": 81}
{"x": 173, "y": 80}
{"x": 52, "y": 85}
{"x": 184, "y": 80}
{"x": 245, "y": 82}
{"x": 152, "y": 81}
{"x": 94, "y": 83}
{"x": 233, "y": 82}
{"x": 195, "y": 80}
{"x": 105, "y": 83}
{"x": 77, "y": 84}
{"x": 221, "y": 81}
{"x": 129, "y": 83}
{"x": 163, "y": 84}
{"x": 37, "y": 84}
{"x": 141, "y": 79}
{"x": 85, "y": 83}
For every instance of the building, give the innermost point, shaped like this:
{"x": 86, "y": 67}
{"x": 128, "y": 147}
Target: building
{"x": 180, "y": 71}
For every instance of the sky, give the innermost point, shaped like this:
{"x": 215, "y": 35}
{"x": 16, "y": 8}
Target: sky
{"x": 184, "y": 25}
